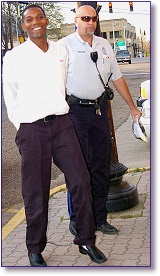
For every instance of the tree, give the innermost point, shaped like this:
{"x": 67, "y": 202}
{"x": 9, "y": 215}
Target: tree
{"x": 8, "y": 24}
{"x": 56, "y": 19}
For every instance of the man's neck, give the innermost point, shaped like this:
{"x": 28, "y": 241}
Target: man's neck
{"x": 87, "y": 38}
{"x": 41, "y": 43}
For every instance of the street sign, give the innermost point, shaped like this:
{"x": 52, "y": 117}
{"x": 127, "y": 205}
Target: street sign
{"x": 120, "y": 45}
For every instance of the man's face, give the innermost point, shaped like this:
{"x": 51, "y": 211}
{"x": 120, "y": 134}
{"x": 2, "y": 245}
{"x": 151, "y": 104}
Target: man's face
{"x": 35, "y": 23}
{"x": 86, "y": 28}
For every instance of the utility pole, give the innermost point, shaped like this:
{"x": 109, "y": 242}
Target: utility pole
{"x": 121, "y": 195}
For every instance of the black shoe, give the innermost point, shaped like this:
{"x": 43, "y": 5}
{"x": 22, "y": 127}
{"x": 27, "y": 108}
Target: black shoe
{"x": 36, "y": 259}
{"x": 72, "y": 227}
{"x": 107, "y": 228}
{"x": 93, "y": 252}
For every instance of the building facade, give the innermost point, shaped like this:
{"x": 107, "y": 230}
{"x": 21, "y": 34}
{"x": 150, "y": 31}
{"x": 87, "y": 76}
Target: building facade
{"x": 118, "y": 32}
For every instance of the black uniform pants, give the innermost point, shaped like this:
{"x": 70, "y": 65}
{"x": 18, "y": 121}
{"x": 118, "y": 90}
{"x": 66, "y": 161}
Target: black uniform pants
{"x": 94, "y": 135}
{"x": 38, "y": 143}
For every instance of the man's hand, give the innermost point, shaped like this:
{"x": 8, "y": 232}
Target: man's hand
{"x": 135, "y": 112}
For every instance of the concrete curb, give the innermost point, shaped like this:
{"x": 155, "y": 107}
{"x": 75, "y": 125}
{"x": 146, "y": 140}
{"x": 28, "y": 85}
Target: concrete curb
{"x": 138, "y": 169}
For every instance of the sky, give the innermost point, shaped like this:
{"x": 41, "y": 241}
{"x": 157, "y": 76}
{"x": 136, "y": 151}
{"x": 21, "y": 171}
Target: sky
{"x": 139, "y": 18}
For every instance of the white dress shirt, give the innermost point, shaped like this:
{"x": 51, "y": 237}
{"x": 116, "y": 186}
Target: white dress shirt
{"x": 34, "y": 82}
{"x": 82, "y": 77}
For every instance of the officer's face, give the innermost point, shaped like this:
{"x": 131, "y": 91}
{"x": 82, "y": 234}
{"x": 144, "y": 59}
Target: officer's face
{"x": 84, "y": 27}
{"x": 35, "y": 23}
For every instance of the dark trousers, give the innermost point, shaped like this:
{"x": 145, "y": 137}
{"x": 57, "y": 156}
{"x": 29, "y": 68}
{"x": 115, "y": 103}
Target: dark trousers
{"x": 38, "y": 143}
{"x": 94, "y": 136}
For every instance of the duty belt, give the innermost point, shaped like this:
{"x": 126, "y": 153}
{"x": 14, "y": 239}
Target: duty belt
{"x": 72, "y": 100}
{"x": 87, "y": 102}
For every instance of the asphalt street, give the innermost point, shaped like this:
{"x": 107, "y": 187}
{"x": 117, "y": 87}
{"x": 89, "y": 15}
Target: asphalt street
{"x": 134, "y": 74}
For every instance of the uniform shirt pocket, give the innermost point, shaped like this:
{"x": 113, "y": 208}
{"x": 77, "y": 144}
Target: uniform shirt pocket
{"x": 106, "y": 64}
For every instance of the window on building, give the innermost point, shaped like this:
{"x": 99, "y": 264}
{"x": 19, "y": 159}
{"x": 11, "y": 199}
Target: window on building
{"x": 121, "y": 34}
{"x": 127, "y": 34}
{"x": 117, "y": 34}
{"x": 104, "y": 35}
{"x": 111, "y": 35}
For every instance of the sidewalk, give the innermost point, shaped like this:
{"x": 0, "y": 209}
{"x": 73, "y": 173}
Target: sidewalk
{"x": 129, "y": 248}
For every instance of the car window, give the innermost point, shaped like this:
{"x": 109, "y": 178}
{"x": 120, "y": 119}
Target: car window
{"x": 124, "y": 52}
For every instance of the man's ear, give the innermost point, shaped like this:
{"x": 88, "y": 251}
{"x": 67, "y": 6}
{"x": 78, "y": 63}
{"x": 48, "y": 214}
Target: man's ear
{"x": 75, "y": 21}
{"x": 23, "y": 27}
{"x": 47, "y": 21}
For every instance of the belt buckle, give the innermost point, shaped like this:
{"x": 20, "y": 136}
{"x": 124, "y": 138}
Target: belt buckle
{"x": 91, "y": 102}
{"x": 86, "y": 102}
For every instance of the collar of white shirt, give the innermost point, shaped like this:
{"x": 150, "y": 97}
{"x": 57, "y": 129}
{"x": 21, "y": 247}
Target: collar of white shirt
{"x": 94, "y": 40}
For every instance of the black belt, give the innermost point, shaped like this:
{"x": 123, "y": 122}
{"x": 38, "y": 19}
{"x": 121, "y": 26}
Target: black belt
{"x": 87, "y": 102}
{"x": 72, "y": 100}
{"x": 48, "y": 118}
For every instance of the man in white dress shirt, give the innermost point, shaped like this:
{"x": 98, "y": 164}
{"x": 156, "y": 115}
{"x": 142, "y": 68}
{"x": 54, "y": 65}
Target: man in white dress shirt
{"x": 34, "y": 77}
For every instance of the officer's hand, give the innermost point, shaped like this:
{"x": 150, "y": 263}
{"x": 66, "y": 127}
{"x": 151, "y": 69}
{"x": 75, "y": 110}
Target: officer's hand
{"x": 135, "y": 112}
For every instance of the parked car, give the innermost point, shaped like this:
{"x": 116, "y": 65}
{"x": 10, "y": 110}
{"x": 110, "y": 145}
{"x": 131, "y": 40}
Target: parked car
{"x": 140, "y": 54}
{"x": 143, "y": 102}
{"x": 123, "y": 56}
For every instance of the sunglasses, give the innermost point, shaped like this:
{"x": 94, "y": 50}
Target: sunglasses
{"x": 88, "y": 18}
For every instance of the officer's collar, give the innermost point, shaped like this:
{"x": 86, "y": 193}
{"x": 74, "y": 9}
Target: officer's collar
{"x": 94, "y": 40}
